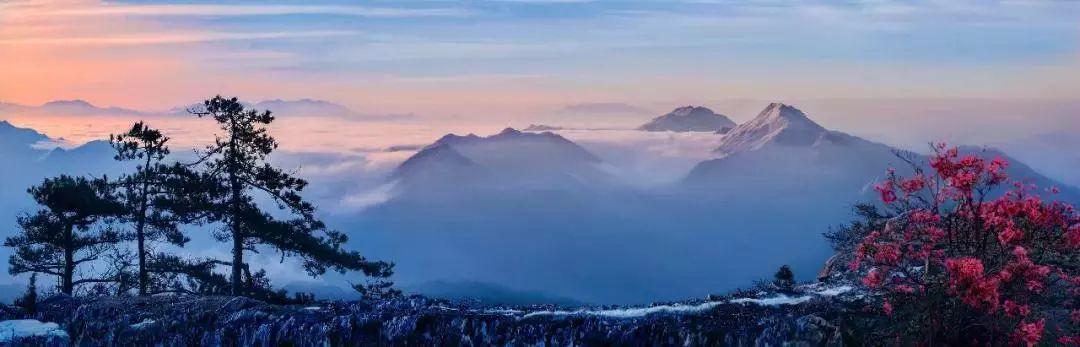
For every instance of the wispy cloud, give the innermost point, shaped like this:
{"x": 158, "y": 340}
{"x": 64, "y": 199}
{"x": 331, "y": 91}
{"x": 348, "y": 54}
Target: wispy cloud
{"x": 603, "y": 107}
{"x": 545, "y": 1}
{"x": 467, "y": 78}
{"x": 172, "y": 38}
{"x": 241, "y": 10}
{"x": 366, "y": 199}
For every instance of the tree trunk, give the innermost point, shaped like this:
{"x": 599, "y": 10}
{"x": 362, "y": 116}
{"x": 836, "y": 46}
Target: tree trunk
{"x": 234, "y": 205}
{"x": 140, "y": 230}
{"x": 237, "y": 263}
{"x": 67, "y": 281}
{"x": 144, "y": 276}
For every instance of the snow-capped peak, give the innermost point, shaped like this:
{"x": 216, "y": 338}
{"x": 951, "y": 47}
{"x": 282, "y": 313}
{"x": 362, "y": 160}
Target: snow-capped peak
{"x": 780, "y": 112}
{"x": 778, "y": 123}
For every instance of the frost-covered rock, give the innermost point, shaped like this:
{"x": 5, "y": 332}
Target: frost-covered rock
{"x": 740, "y": 319}
{"x": 31, "y": 332}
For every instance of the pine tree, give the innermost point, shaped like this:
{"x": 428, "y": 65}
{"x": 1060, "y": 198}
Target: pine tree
{"x": 377, "y": 290}
{"x": 237, "y": 161}
{"x": 158, "y": 196}
{"x": 28, "y": 302}
{"x": 173, "y": 274}
{"x": 784, "y": 278}
{"x": 67, "y": 231}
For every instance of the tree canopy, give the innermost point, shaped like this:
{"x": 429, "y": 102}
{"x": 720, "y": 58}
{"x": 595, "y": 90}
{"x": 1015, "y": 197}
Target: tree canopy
{"x": 237, "y": 162}
{"x": 67, "y": 231}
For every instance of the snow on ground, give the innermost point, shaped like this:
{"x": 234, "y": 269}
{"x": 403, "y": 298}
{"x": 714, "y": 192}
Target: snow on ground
{"x": 11, "y": 330}
{"x": 145, "y": 323}
{"x": 682, "y": 309}
{"x": 774, "y": 301}
{"x": 787, "y": 300}
{"x": 632, "y": 312}
{"x": 834, "y": 291}
{"x": 504, "y": 311}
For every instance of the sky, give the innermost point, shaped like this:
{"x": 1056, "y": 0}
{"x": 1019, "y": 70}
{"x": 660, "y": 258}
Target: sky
{"x": 512, "y": 58}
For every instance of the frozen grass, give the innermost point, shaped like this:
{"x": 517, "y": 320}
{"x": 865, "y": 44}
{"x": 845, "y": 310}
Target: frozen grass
{"x": 632, "y": 312}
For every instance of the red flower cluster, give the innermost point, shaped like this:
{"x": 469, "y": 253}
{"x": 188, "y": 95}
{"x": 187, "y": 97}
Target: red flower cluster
{"x": 953, "y": 234}
{"x": 974, "y": 287}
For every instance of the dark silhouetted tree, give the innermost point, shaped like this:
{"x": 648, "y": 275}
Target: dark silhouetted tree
{"x": 28, "y": 302}
{"x": 377, "y": 290}
{"x": 158, "y": 196}
{"x": 67, "y": 232}
{"x": 237, "y": 161}
{"x": 173, "y": 274}
{"x": 784, "y": 278}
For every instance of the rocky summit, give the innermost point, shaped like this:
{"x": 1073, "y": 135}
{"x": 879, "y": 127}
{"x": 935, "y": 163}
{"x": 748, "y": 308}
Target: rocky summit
{"x": 809, "y": 315}
{"x": 690, "y": 118}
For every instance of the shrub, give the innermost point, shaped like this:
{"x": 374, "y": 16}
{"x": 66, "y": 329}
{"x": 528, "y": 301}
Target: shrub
{"x": 28, "y": 301}
{"x": 784, "y": 279}
{"x": 958, "y": 261}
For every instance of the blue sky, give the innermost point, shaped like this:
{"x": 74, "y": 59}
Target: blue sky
{"x": 455, "y": 57}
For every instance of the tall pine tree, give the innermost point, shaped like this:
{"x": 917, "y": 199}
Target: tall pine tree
{"x": 159, "y": 196}
{"x": 67, "y": 232}
{"x": 237, "y": 161}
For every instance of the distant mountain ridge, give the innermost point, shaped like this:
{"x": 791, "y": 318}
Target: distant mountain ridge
{"x": 510, "y": 157}
{"x": 75, "y": 107}
{"x": 690, "y": 118}
{"x": 542, "y": 128}
{"x": 15, "y": 137}
{"x": 305, "y": 108}
{"x": 1054, "y": 154}
{"x": 288, "y": 108}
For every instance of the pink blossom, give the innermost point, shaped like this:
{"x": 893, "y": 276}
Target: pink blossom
{"x": 874, "y": 278}
{"x": 1010, "y": 235}
{"x": 1030, "y": 333}
{"x": 950, "y": 234}
{"x": 915, "y": 184}
{"x": 968, "y": 281}
{"x": 886, "y": 189}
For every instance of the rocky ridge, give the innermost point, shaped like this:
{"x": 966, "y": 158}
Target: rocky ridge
{"x": 809, "y": 315}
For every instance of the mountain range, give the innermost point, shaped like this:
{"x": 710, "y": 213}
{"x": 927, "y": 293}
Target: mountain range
{"x": 495, "y": 208}
{"x": 782, "y": 140}
{"x": 288, "y": 108}
{"x": 1054, "y": 154}
{"x": 538, "y": 212}
{"x": 67, "y": 107}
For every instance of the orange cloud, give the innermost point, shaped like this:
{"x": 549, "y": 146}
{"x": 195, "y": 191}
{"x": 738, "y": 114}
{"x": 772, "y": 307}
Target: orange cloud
{"x": 132, "y": 61}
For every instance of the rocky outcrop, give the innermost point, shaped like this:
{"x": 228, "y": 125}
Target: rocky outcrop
{"x": 809, "y": 319}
